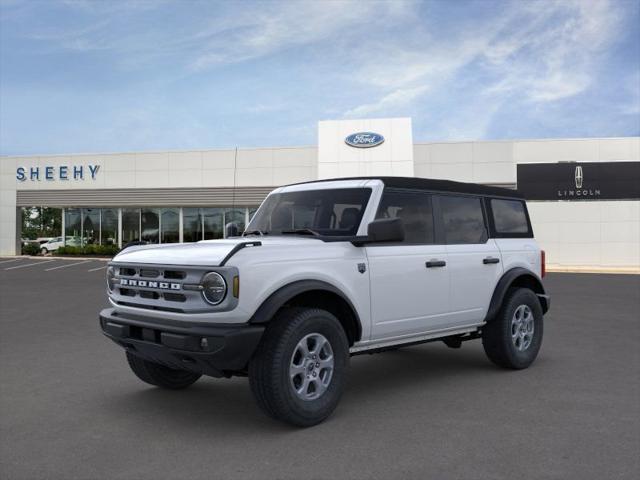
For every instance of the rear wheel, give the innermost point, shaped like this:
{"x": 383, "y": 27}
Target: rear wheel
{"x": 44, "y": 251}
{"x": 514, "y": 337}
{"x": 299, "y": 370}
{"x": 159, "y": 375}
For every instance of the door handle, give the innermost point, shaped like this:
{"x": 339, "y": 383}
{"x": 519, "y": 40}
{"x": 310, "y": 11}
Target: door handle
{"x": 490, "y": 260}
{"x": 436, "y": 263}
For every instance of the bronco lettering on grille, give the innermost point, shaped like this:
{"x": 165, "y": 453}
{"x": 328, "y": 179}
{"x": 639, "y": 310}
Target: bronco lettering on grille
{"x": 129, "y": 282}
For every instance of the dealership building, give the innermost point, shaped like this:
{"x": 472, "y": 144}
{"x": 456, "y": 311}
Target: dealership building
{"x": 584, "y": 194}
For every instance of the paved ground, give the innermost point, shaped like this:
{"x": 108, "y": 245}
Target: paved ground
{"x": 70, "y": 408}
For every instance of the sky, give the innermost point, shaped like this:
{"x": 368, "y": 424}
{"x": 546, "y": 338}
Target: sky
{"x": 89, "y": 76}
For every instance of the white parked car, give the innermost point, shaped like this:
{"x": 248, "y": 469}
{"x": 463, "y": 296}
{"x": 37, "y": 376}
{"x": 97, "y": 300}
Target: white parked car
{"x": 52, "y": 245}
{"x": 327, "y": 270}
{"x": 56, "y": 242}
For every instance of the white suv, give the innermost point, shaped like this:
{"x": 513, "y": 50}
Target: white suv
{"x": 327, "y": 270}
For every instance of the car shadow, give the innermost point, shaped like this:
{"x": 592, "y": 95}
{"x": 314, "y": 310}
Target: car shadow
{"x": 228, "y": 405}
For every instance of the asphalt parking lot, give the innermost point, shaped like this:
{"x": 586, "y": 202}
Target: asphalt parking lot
{"x": 71, "y": 409}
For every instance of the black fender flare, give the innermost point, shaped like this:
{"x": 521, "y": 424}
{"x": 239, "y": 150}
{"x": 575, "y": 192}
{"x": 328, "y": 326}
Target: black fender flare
{"x": 280, "y": 297}
{"x": 523, "y": 277}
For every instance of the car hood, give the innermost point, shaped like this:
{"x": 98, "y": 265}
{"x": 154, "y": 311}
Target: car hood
{"x": 205, "y": 253}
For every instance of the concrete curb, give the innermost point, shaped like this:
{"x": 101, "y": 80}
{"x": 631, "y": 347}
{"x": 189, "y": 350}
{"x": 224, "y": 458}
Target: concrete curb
{"x": 609, "y": 270}
{"x": 54, "y": 257}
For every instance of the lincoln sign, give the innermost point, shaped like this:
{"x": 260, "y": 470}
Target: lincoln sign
{"x": 580, "y": 181}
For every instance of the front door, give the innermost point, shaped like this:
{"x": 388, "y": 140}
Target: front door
{"x": 409, "y": 280}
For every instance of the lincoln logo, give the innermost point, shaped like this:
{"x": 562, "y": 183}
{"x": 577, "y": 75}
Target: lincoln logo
{"x": 579, "y": 177}
{"x": 579, "y": 191}
{"x": 128, "y": 282}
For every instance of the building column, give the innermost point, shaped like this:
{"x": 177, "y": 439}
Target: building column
{"x": 64, "y": 227}
{"x": 119, "y": 227}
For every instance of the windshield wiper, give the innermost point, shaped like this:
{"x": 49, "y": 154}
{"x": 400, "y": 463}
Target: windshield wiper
{"x": 301, "y": 231}
{"x": 254, "y": 232}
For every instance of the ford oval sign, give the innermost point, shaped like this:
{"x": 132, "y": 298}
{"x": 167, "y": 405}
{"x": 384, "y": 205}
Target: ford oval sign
{"x": 364, "y": 139}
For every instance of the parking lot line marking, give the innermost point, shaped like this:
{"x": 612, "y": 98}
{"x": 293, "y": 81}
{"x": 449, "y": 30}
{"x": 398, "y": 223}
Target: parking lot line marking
{"x": 65, "y": 266}
{"x": 9, "y": 261}
{"x": 96, "y": 269}
{"x": 30, "y": 264}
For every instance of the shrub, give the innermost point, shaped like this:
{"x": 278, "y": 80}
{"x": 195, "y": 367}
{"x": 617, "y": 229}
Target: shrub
{"x": 31, "y": 249}
{"x": 102, "y": 250}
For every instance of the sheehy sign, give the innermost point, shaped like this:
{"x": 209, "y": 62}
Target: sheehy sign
{"x": 59, "y": 172}
{"x": 580, "y": 181}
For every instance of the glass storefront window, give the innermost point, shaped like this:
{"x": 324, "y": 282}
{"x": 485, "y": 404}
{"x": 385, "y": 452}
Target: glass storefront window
{"x": 191, "y": 225}
{"x": 213, "y": 222}
{"x": 252, "y": 212}
{"x": 130, "y": 225}
{"x": 234, "y": 221}
{"x": 90, "y": 226}
{"x": 72, "y": 226}
{"x": 150, "y": 225}
{"x": 109, "y": 226}
{"x": 170, "y": 225}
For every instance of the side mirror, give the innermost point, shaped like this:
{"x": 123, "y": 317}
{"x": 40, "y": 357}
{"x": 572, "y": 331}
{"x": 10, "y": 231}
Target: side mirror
{"x": 385, "y": 230}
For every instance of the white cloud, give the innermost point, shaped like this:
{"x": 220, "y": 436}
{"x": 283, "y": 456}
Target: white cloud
{"x": 396, "y": 99}
{"x": 256, "y": 33}
{"x": 537, "y": 51}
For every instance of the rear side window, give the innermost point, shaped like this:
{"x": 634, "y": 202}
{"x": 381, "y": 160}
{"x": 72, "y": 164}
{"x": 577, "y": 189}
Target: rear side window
{"x": 463, "y": 220}
{"x": 415, "y": 211}
{"x": 509, "y": 216}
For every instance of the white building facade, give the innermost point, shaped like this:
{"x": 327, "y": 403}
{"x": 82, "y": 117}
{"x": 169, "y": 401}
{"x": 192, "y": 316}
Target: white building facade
{"x": 584, "y": 193}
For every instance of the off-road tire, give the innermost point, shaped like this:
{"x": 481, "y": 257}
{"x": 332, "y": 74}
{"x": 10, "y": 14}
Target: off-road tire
{"x": 269, "y": 374}
{"x": 159, "y": 375}
{"x": 497, "y": 334}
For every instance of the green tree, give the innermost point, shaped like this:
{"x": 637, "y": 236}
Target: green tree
{"x": 41, "y": 222}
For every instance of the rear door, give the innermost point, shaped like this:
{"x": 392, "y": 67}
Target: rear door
{"x": 409, "y": 279}
{"x": 474, "y": 260}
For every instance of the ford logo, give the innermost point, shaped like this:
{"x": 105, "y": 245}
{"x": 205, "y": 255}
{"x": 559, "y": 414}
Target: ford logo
{"x": 364, "y": 139}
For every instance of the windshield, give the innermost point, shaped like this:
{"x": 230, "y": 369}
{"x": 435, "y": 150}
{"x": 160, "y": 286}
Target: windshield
{"x": 331, "y": 212}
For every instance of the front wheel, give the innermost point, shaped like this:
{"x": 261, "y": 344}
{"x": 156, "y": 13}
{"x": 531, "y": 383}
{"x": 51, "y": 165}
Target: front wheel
{"x": 299, "y": 370}
{"x": 513, "y": 338}
{"x": 44, "y": 251}
{"x": 159, "y": 375}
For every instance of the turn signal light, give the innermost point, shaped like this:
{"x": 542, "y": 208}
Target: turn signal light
{"x": 236, "y": 286}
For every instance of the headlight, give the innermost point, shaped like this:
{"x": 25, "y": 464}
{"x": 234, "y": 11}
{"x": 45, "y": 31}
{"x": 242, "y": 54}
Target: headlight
{"x": 111, "y": 275}
{"x": 214, "y": 288}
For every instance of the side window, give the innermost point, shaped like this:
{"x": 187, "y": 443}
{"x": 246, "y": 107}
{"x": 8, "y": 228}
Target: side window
{"x": 463, "y": 220}
{"x": 415, "y": 211}
{"x": 509, "y": 216}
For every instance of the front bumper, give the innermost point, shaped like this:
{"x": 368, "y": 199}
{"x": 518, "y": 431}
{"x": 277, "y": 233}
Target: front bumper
{"x": 214, "y": 350}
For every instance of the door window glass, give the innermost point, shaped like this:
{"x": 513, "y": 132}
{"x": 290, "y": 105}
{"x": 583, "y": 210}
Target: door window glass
{"x": 72, "y": 226}
{"x": 463, "y": 219}
{"x": 415, "y": 211}
{"x": 109, "y": 226}
{"x": 170, "y": 225}
{"x": 130, "y": 225}
{"x": 191, "y": 225}
{"x": 213, "y": 223}
{"x": 150, "y": 225}
{"x": 509, "y": 216}
{"x": 90, "y": 226}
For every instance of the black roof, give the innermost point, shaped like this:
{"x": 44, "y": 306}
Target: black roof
{"x": 434, "y": 185}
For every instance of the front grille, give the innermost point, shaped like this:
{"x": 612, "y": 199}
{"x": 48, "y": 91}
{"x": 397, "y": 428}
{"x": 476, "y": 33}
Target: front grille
{"x": 152, "y": 288}
{"x": 174, "y": 274}
{"x": 156, "y": 287}
{"x": 146, "y": 273}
